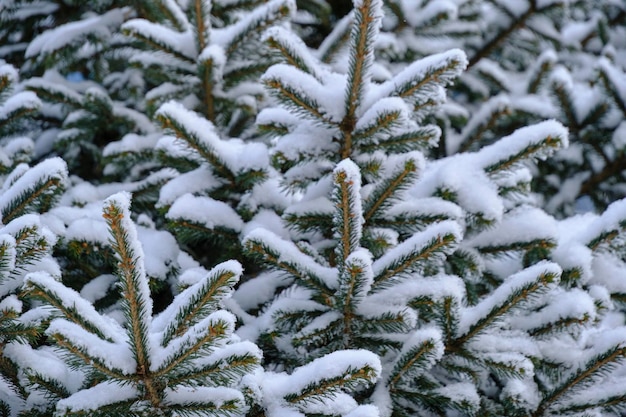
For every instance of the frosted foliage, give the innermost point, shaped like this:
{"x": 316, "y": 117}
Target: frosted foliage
{"x": 177, "y": 307}
{"x": 523, "y": 392}
{"x": 296, "y": 143}
{"x": 326, "y": 105}
{"x": 289, "y": 253}
{"x": 10, "y": 397}
{"x": 521, "y": 225}
{"x": 217, "y": 396}
{"x": 417, "y": 71}
{"x": 270, "y": 10}
{"x": 416, "y": 242}
{"x": 318, "y": 324}
{"x": 254, "y": 293}
{"x": 18, "y": 145}
{"x": 231, "y": 151}
{"x": 75, "y": 32}
{"x": 475, "y": 192}
{"x": 436, "y": 288}
{"x": 89, "y": 230}
{"x": 8, "y": 72}
{"x": 192, "y": 337}
{"x": 525, "y": 138}
{"x": 296, "y": 46}
{"x": 462, "y": 392}
{"x": 419, "y": 337}
{"x": 278, "y": 386}
{"x": 98, "y": 287}
{"x": 574, "y": 303}
{"x": 198, "y": 180}
{"x": 103, "y": 394}
{"x": 7, "y": 242}
{"x": 11, "y": 303}
{"x": 472, "y": 315}
{"x": 113, "y": 355}
{"x": 173, "y": 40}
{"x": 206, "y": 211}
{"x": 347, "y": 174}
{"x": 216, "y": 55}
{"x": 430, "y": 12}
{"x": 71, "y": 299}
{"x": 53, "y": 169}
{"x": 23, "y": 100}
{"x": 360, "y": 259}
{"x": 47, "y": 362}
{"x": 161, "y": 249}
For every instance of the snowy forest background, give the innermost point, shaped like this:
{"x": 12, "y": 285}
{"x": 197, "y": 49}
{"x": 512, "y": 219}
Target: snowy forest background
{"x": 291, "y": 208}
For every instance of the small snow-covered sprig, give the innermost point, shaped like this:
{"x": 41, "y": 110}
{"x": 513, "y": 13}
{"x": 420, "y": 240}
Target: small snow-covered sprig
{"x": 14, "y": 106}
{"x": 322, "y": 386}
{"x": 185, "y": 357}
{"x": 33, "y": 189}
{"x": 213, "y": 48}
{"x": 137, "y": 303}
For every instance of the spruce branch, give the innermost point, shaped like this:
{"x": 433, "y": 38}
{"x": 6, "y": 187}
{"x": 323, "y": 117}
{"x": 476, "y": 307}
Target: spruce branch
{"x": 420, "y": 138}
{"x": 175, "y": 117}
{"x": 527, "y": 143}
{"x": 497, "y": 40}
{"x": 52, "y": 293}
{"x": 418, "y": 355}
{"x": 83, "y": 354}
{"x": 200, "y": 299}
{"x": 136, "y": 299}
{"x": 500, "y": 110}
{"x": 207, "y": 70}
{"x": 286, "y": 90}
{"x": 157, "y": 37}
{"x": 348, "y": 220}
{"x": 614, "y": 168}
{"x": 339, "y": 378}
{"x": 355, "y": 280}
{"x": 200, "y": 12}
{"x": 425, "y": 75}
{"x": 414, "y": 253}
{"x": 610, "y": 79}
{"x": 217, "y": 373}
{"x": 254, "y": 23}
{"x": 383, "y": 123}
{"x": 286, "y": 257}
{"x": 35, "y": 190}
{"x": 55, "y": 93}
{"x": 387, "y": 191}
{"x": 367, "y": 17}
{"x": 193, "y": 344}
{"x": 522, "y": 288}
{"x": 560, "y": 89}
{"x": 292, "y": 49}
{"x": 579, "y": 379}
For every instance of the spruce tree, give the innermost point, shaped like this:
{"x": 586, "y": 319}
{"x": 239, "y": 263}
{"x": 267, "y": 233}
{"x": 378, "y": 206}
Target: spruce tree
{"x": 204, "y": 59}
{"x": 26, "y": 242}
{"x": 464, "y": 303}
